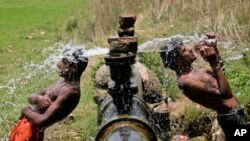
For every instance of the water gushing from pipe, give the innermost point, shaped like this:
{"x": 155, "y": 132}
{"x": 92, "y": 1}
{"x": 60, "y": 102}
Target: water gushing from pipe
{"x": 49, "y": 65}
{"x": 32, "y": 69}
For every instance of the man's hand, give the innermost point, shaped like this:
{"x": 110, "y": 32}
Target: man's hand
{"x": 25, "y": 109}
{"x": 209, "y": 40}
{"x": 43, "y": 102}
{"x": 209, "y": 54}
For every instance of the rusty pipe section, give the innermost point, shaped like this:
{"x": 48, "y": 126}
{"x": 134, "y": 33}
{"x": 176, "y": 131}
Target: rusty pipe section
{"x": 121, "y": 57}
{"x": 123, "y": 115}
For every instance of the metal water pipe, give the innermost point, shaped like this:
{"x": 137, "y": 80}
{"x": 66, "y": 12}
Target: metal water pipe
{"x": 124, "y": 115}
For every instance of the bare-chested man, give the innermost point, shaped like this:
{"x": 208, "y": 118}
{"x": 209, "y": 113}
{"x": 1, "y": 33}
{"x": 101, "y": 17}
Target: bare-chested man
{"x": 210, "y": 89}
{"x": 54, "y": 103}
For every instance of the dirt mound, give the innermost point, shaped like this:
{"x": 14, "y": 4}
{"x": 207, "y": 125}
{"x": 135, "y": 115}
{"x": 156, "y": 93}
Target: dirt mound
{"x": 190, "y": 119}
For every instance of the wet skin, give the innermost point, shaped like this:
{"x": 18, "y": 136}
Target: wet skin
{"x": 57, "y": 101}
{"x": 210, "y": 89}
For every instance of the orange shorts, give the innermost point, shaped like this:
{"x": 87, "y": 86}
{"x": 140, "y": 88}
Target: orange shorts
{"x": 26, "y": 131}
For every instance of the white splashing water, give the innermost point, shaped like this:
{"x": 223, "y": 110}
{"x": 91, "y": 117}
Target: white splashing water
{"x": 49, "y": 65}
{"x": 155, "y": 45}
{"x": 10, "y": 86}
{"x": 96, "y": 51}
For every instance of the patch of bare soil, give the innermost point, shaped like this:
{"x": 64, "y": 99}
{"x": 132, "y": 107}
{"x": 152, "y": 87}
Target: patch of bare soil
{"x": 190, "y": 120}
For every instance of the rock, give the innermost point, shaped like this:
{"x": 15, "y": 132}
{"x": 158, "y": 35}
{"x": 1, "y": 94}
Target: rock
{"x": 217, "y": 133}
{"x": 152, "y": 91}
{"x": 162, "y": 108}
{"x": 102, "y": 77}
{"x": 151, "y": 84}
{"x": 69, "y": 119}
{"x": 99, "y": 96}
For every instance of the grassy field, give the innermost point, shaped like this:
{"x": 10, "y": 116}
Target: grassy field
{"x": 27, "y": 28}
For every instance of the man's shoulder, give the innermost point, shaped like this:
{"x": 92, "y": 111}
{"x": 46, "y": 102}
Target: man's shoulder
{"x": 188, "y": 79}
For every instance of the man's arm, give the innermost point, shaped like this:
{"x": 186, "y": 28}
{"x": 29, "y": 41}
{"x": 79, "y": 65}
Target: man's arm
{"x": 33, "y": 99}
{"x": 59, "y": 109}
{"x": 210, "y": 55}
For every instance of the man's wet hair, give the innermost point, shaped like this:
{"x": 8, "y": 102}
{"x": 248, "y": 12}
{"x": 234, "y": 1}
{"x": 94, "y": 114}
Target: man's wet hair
{"x": 171, "y": 53}
{"x": 75, "y": 55}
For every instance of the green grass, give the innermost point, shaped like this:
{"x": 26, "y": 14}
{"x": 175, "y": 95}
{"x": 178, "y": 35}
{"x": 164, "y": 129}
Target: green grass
{"x": 238, "y": 75}
{"x": 40, "y": 19}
